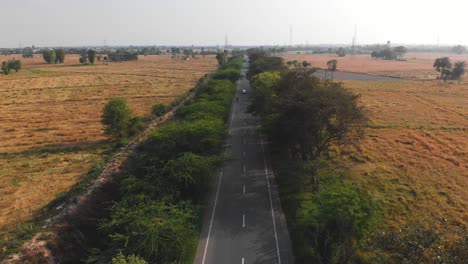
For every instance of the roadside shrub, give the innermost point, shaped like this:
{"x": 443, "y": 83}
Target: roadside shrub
{"x": 335, "y": 220}
{"x": 158, "y": 109}
{"x": 135, "y": 126}
{"x": 203, "y": 109}
{"x": 203, "y": 136}
{"x": 229, "y": 74}
{"x": 191, "y": 175}
{"x": 154, "y": 230}
{"x": 132, "y": 259}
{"x": 234, "y": 62}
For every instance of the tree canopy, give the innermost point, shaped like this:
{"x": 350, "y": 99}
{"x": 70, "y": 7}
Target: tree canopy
{"x": 116, "y": 117}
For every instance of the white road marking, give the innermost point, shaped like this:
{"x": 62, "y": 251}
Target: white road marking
{"x": 243, "y": 190}
{"x": 244, "y": 141}
{"x": 244, "y": 167}
{"x": 212, "y": 217}
{"x": 271, "y": 202}
{"x": 242, "y": 260}
{"x": 243, "y": 220}
{"x": 244, "y": 154}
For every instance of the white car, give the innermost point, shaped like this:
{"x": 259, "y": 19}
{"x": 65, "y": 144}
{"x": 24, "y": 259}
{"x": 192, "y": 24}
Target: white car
{"x": 244, "y": 91}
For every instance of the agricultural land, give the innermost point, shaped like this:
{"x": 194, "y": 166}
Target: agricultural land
{"x": 50, "y": 123}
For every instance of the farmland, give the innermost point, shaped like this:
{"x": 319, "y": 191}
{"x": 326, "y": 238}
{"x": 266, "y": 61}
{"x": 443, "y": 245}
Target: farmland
{"x": 51, "y": 133}
{"x": 416, "y": 66}
{"x": 414, "y": 155}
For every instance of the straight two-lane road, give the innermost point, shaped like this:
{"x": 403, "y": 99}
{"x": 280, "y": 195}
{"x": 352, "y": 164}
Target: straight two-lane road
{"x": 244, "y": 223}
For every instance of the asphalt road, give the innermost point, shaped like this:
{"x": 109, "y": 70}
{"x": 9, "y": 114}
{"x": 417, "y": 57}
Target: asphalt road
{"x": 351, "y": 76}
{"x": 244, "y": 223}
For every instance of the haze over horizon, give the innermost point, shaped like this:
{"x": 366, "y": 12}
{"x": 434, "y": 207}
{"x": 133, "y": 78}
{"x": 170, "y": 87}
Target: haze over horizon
{"x": 207, "y": 22}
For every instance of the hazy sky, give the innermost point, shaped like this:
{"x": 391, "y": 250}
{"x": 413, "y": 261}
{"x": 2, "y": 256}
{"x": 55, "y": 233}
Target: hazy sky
{"x": 246, "y": 22}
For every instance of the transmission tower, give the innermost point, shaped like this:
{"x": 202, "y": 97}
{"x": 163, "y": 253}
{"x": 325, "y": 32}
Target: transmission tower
{"x": 226, "y": 42}
{"x": 353, "y": 46}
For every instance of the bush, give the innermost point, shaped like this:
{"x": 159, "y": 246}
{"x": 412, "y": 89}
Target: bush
{"x": 116, "y": 117}
{"x": 203, "y": 109}
{"x": 158, "y": 110}
{"x": 132, "y": 259}
{"x": 15, "y": 65}
{"x": 122, "y": 55}
{"x": 135, "y": 126}
{"x": 6, "y": 68}
{"x": 334, "y": 220}
{"x": 154, "y": 230}
{"x": 204, "y": 136}
{"x": 229, "y": 73}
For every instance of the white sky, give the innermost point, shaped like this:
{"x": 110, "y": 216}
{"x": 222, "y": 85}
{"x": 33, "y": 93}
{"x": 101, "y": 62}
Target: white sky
{"x": 246, "y": 22}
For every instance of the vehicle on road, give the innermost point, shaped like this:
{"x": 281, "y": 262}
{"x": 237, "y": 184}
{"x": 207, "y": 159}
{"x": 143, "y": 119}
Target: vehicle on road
{"x": 244, "y": 91}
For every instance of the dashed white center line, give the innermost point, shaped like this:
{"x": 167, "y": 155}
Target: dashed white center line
{"x": 243, "y": 220}
{"x": 244, "y": 141}
{"x": 242, "y": 260}
{"x": 244, "y": 154}
{"x": 243, "y": 191}
{"x": 244, "y": 167}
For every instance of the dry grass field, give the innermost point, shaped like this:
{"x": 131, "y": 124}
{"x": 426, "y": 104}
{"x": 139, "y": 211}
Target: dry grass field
{"x": 416, "y": 66}
{"x": 50, "y": 130}
{"x": 414, "y": 157}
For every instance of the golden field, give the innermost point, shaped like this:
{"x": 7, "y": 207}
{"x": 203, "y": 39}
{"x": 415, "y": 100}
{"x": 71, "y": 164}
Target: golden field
{"x": 416, "y": 66}
{"x": 414, "y": 156}
{"x": 50, "y": 121}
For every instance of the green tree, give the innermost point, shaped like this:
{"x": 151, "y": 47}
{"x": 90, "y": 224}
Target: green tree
{"x": 458, "y": 70}
{"x": 15, "y": 65}
{"x": 444, "y": 66}
{"x": 306, "y": 64}
{"x": 308, "y": 114}
{"x": 60, "y": 55}
{"x": 334, "y": 220}
{"x": 6, "y": 68}
{"x": 91, "y": 56}
{"x": 116, "y": 118}
{"x": 28, "y": 52}
{"x": 155, "y": 230}
{"x": 221, "y": 58}
{"x": 266, "y": 63}
{"x": 400, "y": 52}
{"x": 49, "y": 56}
{"x": 459, "y": 49}
{"x": 264, "y": 86}
{"x": 331, "y": 65}
{"x": 341, "y": 52}
{"x": 83, "y": 58}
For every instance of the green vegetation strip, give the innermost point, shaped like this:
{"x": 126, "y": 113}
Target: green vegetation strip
{"x": 157, "y": 219}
